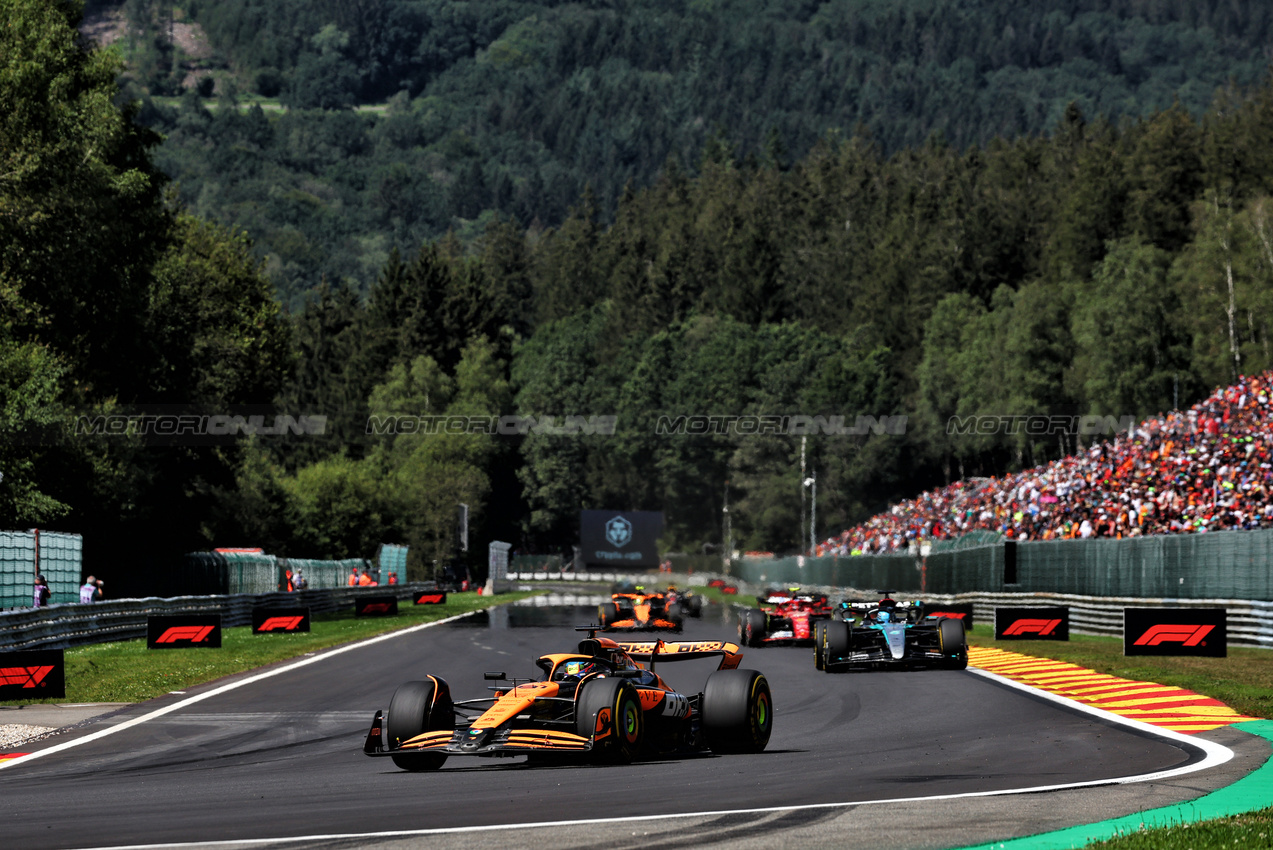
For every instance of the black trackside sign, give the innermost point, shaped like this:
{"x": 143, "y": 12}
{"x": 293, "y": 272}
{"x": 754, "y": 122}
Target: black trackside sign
{"x": 32, "y": 674}
{"x": 183, "y": 631}
{"x": 620, "y": 539}
{"x": 1175, "y": 631}
{"x": 376, "y": 606}
{"x": 961, "y": 611}
{"x": 272, "y": 621}
{"x": 430, "y": 597}
{"x": 1041, "y": 623}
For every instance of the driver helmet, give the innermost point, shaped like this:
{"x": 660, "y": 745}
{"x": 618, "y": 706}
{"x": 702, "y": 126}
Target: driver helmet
{"x": 577, "y": 668}
{"x": 883, "y": 616}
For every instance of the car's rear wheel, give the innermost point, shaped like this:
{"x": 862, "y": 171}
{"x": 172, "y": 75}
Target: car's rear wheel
{"x": 751, "y": 627}
{"x": 675, "y": 615}
{"x": 954, "y": 644}
{"x": 415, "y": 708}
{"x": 837, "y": 640}
{"x": 819, "y": 627}
{"x": 607, "y": 613}
{"x": 610, "y": 709}
{"x": 695, "y": 605}
{"x": 737, "y": 711}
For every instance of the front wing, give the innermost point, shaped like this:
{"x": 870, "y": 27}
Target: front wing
{"x": 870, "y": 650}
{"x": 505, "y": 741}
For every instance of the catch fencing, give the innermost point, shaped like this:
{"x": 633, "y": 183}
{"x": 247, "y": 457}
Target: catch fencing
{"x": 58, "y": 556}
{"x": 65, "y": 626}
{"x": 1218, "y": 565}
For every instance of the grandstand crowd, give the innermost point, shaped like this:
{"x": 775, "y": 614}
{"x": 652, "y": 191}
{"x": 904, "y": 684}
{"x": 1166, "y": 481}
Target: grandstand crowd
{"x": 1203, "y": 469}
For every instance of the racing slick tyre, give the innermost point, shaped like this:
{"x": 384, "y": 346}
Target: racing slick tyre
{"x": 837, "y": 638}
{"x": 611, "y": 709}
{"x": 751, "y": 627}
{"x": 675, "y": 615}
{"x": 954, "y": 646}
{"x": 607, "y": 613}
{"x": 819, "y": 662}
{"x": 738, "y": 711}
{"x": 694, "y": 606}
{"x": 418, "y": 707}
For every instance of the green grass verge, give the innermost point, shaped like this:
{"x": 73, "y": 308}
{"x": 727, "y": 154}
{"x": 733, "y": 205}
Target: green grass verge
{"x": 126, "y": 671}
{"x": 1243, "y": 680}
{"x": 1254, "y": 829}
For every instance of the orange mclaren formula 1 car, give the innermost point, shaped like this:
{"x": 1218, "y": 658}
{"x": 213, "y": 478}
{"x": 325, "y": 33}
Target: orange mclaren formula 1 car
{"x": 639, "y": 610}
{"x": 598, "y": 703}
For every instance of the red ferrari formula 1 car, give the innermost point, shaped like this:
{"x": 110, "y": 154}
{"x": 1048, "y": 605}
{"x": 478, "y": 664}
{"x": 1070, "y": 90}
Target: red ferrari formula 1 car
{"x": 598, "y": 702}
{"x": 639, "y": 610}
{"x": 785, "y": 617}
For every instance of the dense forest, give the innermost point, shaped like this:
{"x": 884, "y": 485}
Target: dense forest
{"x": 1110, "y": 267}
{"x": 513, "y": 107}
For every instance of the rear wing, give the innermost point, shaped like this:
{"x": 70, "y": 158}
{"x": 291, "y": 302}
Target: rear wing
{"x": 687, "y": 650}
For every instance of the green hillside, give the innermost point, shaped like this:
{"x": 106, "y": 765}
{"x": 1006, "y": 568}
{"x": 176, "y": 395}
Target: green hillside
{"x": 512, "y": 107}
{"x": 1111, "y": 265}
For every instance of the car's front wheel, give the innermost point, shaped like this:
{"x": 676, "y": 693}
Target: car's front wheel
{"x": 954, "y": 644}
{"x": 610, "y": 709}
{"x": 415, "y": 708}
{"x": 836, "y": 642}
{"x": 751, "y": 627}
{"x": 819, "y": 627}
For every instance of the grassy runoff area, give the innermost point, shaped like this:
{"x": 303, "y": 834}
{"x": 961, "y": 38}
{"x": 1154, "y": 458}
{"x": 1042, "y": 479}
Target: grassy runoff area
{"x": 126, "y": 671}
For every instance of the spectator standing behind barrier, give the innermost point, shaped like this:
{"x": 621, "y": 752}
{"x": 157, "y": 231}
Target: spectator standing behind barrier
{"x": 88, "y": 593}
{"x": 101, "y": 594}
{"x": 353, "y": 577}
{"x": 40, "y": 595}
{"x": 299, "y": 581}
{"x": 393, "y": 578}
{"x": 365, "y": 580}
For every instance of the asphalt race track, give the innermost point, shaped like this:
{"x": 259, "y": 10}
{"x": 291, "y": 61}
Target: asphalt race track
{"x": 281, "y": 758}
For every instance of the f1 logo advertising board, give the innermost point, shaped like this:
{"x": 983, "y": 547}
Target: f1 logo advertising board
{"x": 183, "y": 631}
{"x": 1175, "y": 631}
{"x": 266, "y": 621}
{"x": 431, "y": 597}
{"x": 32, "y": 674}
{"x": 961, "y": 611}
{"x": 1039, "y": 623}
{"x": 376, "y": 606}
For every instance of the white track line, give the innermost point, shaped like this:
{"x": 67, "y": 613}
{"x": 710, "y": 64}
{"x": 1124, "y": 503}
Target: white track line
{"x": 1216, "y": 754}
{"x": 180, "y": 704}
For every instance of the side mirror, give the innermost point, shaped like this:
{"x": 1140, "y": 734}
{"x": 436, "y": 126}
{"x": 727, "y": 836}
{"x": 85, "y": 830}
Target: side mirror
{"x": 492, "y": 677}
{"x": 626, "y": 673}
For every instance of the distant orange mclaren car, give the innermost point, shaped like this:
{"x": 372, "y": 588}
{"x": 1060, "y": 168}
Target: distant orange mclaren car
{"x": 639, "y": 610}
{"x": 601, "y": 702}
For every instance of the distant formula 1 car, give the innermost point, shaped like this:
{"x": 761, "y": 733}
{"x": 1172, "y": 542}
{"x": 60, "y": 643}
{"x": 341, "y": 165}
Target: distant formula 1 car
{"x": 638, "y": 610}
{"x": 691, "y": 603}
{"x": 889, "y": 633}
{"x": 596, "y": 703}
{"x": 785, "y": 617}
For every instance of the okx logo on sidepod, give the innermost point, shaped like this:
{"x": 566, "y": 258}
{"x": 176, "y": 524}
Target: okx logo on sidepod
{"x": 183, "y": 631}
{"x": 1034, "y": 623}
